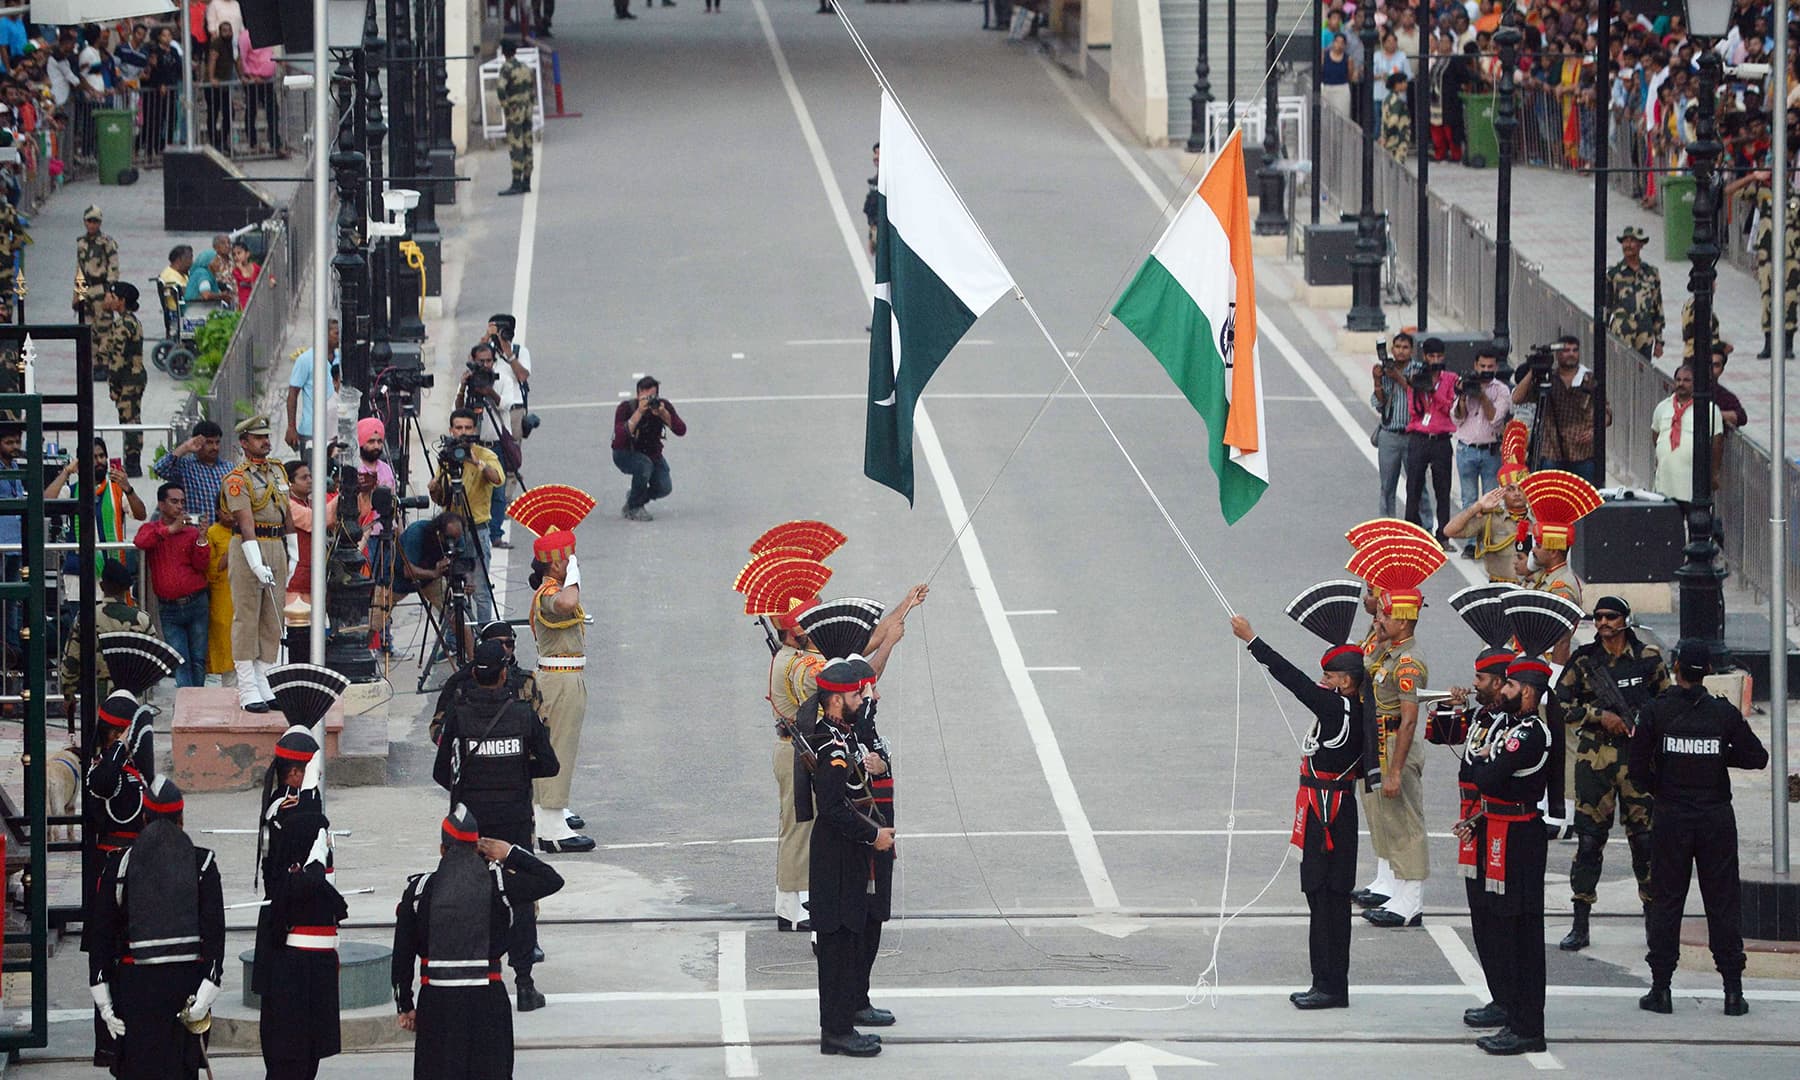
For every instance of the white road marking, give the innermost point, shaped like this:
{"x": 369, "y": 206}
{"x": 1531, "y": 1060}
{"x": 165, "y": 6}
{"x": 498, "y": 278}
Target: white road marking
{"x": 1139, "y": 1060}
{"x": 737, "y": 356}
{"x": 1157, "y": 195}
{"x": 1546, "y": 1061}
{"x": 1052, "y": 669}
{"x": 1049, "y": 834}
{"x": 521, "y": 297}
{"x": 1400, "y": 990}
{"x": 1461, "y": 960}
{"x": 863, "y": 341}
{"x": 762, "y": 399}
{"x": 1012, "y": 661}
{"x": 1031, "y": 611}
{"x": 734, "y": 1021}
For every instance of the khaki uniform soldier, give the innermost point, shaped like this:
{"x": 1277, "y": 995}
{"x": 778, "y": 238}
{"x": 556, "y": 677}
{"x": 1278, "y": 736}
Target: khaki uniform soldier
{"x": 1396, "y": 119}
{"x": 1634, "y": 305}
{"x": 517, "y": 88}
{"x": 97, "y": 263}
{"x": 557, "y": 622}
{"x": 13, "y": 239}
{"x": 1602, "y": 689}
{"x": 119, "y": 348}
{"x": 793, "y": 677}
{"x": 1397, "y": 823}
{"x": 255, "y": 496}
{"x": 1687, "y": 328}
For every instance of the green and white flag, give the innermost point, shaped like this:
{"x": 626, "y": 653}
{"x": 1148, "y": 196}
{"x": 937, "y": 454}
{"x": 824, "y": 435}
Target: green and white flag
{"x": 934, "y": 276}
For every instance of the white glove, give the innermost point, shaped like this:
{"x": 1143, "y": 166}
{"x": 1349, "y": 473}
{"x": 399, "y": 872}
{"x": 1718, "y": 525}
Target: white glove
{"x": 204, "y": 996}
{"x": 572, "y": 576}
{"x": 321, "y": 850}
{"x": 103, "y": 999}
{"x": 253, "y": 556}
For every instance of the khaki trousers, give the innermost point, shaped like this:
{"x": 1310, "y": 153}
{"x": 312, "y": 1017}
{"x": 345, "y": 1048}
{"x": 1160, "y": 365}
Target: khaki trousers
{"x": 1397, "y": 826}
{"x": 564, "y": 695}
{"x": 793, "y": 849}
{"x": 255, "y": 609}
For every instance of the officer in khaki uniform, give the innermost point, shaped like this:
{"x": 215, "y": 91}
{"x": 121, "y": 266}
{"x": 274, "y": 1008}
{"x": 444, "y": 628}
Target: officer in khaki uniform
{"x": 793, "y": 677}
{"x": 255, "y": 496}
{"x": 119, "y": 349}
{"x": 557, "y": 622}
{"x": 97, "y": 262}
{"x": 1396, "y": 811}
{"x": 1634, "y": 303}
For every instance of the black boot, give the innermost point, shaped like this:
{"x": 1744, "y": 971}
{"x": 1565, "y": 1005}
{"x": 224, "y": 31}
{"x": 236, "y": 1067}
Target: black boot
{"x": 1493, "y": 1014}
{"x": 1504, "y": 1043}
{"x": 1735, "y": 1005}
{"x": 1577, "y": 937}
{"x": 1658, "y": 999}
{"x": 1768, "y": 348}
{"x": 530, "y": 999}
{"x": 853, "y": 1044}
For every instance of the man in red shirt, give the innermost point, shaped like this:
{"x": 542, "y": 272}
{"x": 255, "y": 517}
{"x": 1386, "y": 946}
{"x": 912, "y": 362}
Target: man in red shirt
{"x": 637, "y": 445}
{"x": 179, "y": 556}
{"x": 1431, "y": 395}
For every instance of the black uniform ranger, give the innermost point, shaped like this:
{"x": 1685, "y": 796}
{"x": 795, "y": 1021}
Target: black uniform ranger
{"x": 841, "y": 872}
{"x": 516, "y": 677}
{"x": 493, "y": 746}
{"x": 296, "y": 970}
{"x": 1468, "y": 728}
{"x": 456, "y": 921}
{"x": 871, "y": 750}
{"x": 1325, "y": 807}
{"x": 1510, "y": 779}
{"x": 1685, "y": 743}
{"x": 157, "y": 955}
{"x": 1601, "y": 690}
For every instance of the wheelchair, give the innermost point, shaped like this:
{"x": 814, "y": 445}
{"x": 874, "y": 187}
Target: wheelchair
{"x": 175, "y": 353}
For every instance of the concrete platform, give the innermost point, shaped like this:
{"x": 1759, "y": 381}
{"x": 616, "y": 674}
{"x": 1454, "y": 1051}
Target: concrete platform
{"x": 216, "y": 746}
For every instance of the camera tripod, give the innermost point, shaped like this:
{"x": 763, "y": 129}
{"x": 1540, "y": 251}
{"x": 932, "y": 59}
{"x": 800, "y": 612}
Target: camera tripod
{"x": 453, "y": 629}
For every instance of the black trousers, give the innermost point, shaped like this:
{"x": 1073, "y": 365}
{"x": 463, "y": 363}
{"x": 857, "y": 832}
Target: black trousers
{"x": 1481, "y": 928}
{"x": 1515, "y": 968}
{"x": 523, "y": 938}
{"x": 290, "y": 1070}
{"x": 1681, "y": 843}
{"x": 1328, "y": 941}
{"x": 841, "y": 971}
{"x": 1327, "y": 877}
{"x": 1428, "y": 452}
{"x": 871, "y": 947}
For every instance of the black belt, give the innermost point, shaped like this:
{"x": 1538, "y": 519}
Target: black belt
{"x": 1495, "y": 806}
{"x": 1430, "y": 435}
{"x": 1489, "y": 445}
{"x": 270, "y": 532}
{"x": 1393, "y": 430}
{"x": 1344, "y": 783}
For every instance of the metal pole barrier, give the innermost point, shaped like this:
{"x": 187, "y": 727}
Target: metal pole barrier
{"x": 321, "y": 318}
{"x": 1602, "y": 114}
{"x": 1312, "y": 132}
{"x": 1421, "y": 92}
{"x": 1778, "y": 347}
{"x": 187, "y": 75}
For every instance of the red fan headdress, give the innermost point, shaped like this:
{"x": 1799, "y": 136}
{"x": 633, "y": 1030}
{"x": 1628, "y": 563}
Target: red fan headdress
{"x": 1558, "y": 500}
{"x": 1515, "y": 441}
{"x": 1396, "y": 565}
{"x": 782, "y": 586}
{"x": 551, "y": 508}
{"x": 1361, "y": 536}
{"x": 814, "y": 539}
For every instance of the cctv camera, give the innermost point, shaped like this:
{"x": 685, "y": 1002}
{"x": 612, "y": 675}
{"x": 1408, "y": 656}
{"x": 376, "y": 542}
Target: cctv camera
{"x": 301, "y": 81}
{"x": 398, "y": 201}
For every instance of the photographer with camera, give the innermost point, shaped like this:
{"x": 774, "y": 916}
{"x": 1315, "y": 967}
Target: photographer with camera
{"x": 513, "y": 364}
{"x": 1483, "y": 403}
{"x": 433, "y": 559}
{"x": 1564, "y": 438}
{"x": 478, "y": 389}
{"x": 1431, "y": 394}
{"x": 467, "y": 473}
{"x": 637, "y": 446}
{"x": 1391, "y": 403}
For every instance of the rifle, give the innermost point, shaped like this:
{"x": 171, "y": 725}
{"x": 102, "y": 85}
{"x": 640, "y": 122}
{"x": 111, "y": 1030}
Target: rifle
{"x": 1607, "y": 693}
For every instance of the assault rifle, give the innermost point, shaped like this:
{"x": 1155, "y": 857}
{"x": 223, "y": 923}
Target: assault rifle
{"x": 1607, "y": 693}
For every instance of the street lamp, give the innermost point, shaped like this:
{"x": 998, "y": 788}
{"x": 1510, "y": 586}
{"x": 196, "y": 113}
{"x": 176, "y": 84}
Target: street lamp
{"x": 1506, "y": 130}
{"x": 1202, "y": 89}
{"x": 1700, "y": 577}
{"x": 1271, "y": 193}
{"x": 1365, "y": 259}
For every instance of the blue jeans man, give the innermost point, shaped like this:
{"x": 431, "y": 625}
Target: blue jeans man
{"x": 184, "y": 627}
{"x": 649, "y": 477}
{"x": 1477, "y": 470}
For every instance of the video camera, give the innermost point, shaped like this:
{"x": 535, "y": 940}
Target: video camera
{"x": 1539, "y": 361}
{"x": 454, "y": 451}
{"x": 479, "y": 377}
{"x": 1475, "y": 382}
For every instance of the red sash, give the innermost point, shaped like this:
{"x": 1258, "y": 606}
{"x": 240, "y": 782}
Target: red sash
{"x": 1321, "y": 796}
{"x": 1468, "y": 863}
{"x": 1500, "y": 816}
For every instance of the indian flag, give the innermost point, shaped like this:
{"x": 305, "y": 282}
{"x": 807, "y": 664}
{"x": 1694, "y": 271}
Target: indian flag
{"x": 1193, "y": 305}
{"x": 935, "y": 274}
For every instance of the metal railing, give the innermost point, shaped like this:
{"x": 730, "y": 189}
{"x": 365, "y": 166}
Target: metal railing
{"x": 1462, "y": 261}
{"x": 243, "y": 121}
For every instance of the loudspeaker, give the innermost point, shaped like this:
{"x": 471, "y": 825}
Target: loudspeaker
{"x": 288, "y": 23}
{"x": 203, "y": 192}
{"x": 1328, "y": 250}
{"x": 1630, "y": 538}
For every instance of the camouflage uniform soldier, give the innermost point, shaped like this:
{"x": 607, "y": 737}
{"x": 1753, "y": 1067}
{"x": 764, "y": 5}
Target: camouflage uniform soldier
{"x": 518, "y": 100}
{"x": 13, "y": 238}
{"x": 1602, "y": 731}
{"x": 1764, "y": 243}
{"x": 119, "y": 349}
{"x": 1687, "y": 328}
{"x": 115, "y": 613}
{"x": 1396, "y": 119}
{"x": 97, "y": 261}
{"x": 1634, "y": 307}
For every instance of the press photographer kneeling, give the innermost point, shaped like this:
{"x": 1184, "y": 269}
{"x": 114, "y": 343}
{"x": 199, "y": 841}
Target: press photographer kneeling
{"x": 637, "y": 446}
{"x": 467, "y": 474}
{"x": 436, "y": 563}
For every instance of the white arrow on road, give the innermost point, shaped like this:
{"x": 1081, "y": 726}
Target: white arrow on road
{"x": 1138, "y": 1060}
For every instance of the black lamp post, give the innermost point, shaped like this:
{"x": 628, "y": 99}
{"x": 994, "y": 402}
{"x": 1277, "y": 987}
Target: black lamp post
{"x": 1700, "y": 577}
{"x": 1506, "y": 130}
{"x": 1312, "y": 133}
{"x": 1202, "y": 89}
{"x": 1420, "y": 89}
{"x": 1271, "y": 191}
{"x": 374, "y": 131}
{"x": 402, "y": 65}
{"x": 1365, "y": 259}
{"x": 443, "y": 145}
{"x": 349, "y": 169}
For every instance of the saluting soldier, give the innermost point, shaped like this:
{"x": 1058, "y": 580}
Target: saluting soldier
{"x": 456, "y": 921}
{"x": 1634, "y": 304}
{"x": 1601, "y": 721}
{"x": 558, "y": 624}
{"x": 793, "y": 678}
{"x": 97, "y": 261}
{"x": 255, "y": 495}
{"x": 518, "y": 101}
{"x": 493, "y": 745}
{"x": 157, "y": 960}
{"x": 119, "y": 349}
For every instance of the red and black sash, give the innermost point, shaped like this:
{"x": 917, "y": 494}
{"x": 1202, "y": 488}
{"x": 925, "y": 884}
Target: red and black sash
{"x": 1320, "y": 796}
{"x": 1468, "y": 861}
{"x": 1500, "y": 816}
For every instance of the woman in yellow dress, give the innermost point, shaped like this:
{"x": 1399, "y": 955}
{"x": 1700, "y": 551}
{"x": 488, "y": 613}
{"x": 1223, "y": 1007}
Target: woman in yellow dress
{"x": 218, "y": 576}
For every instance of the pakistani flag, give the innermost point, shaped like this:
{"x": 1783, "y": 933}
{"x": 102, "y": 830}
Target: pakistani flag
{"x": 1193, "y": 305}
{"x": 934, "y": 276}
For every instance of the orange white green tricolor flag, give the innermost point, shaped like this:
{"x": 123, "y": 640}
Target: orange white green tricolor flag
{"x": 1193, "y": 305}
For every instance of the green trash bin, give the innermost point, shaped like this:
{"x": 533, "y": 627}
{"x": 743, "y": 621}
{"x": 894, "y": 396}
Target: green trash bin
{"x": 1678, "y": 215}
{"x": 1478, "y": 123}
{"x": 113, "y": 134}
